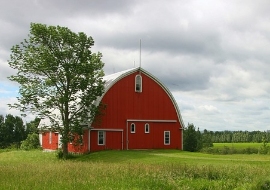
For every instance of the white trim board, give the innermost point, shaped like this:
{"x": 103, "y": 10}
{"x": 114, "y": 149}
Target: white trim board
{"x": 103, "y": 129}
{"x": 152, "y": 120}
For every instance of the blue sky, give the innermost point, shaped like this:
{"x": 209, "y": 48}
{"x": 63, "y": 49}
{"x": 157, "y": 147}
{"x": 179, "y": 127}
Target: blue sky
{"x": 7, "y": 91}
{"x": 212, "y": 55}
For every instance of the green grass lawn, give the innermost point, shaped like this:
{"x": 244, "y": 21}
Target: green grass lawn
{"x": 156, "y": 169}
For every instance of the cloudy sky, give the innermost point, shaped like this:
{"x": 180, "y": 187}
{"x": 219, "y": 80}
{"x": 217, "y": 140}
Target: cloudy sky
{"x": 214, "y": 56}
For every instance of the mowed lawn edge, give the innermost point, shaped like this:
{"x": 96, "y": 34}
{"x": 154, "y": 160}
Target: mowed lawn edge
{"x": 140, "y": 169}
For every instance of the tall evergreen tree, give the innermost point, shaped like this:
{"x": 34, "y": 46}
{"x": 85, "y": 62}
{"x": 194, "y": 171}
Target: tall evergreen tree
{"x": 8, "y": 130}
{"x": 19, "y": 131}
{"x": 192, "y": 139}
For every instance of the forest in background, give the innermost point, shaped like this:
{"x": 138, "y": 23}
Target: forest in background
{"x": 195, "y": 140}
{"x": 236, "y": 136}
{"x": 13, "y": 131}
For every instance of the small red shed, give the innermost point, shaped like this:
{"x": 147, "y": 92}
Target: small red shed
{"x": 140, "y": 113}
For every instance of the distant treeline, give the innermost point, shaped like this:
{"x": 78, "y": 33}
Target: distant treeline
{"x": 196, "y": 140}
{"x": 13, "y": 130}
{"x": 236, "y": 136}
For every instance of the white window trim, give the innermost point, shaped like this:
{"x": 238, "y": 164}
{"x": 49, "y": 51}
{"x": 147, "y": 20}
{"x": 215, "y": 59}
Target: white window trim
{"x": 132, "y": 131}
{"x": 140, "y": 90}
{"x": 145, "y": 126}
{"x": 103, "y": 137}
{"x": 50, "y": 137}
{"x": 165, "y": 137}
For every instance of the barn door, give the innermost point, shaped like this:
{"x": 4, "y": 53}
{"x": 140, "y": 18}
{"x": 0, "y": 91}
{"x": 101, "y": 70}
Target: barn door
{"x": 140, "y": 135}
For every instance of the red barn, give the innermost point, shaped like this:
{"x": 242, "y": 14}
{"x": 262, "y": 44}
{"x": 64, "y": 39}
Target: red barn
{"x": 140, "y": 113}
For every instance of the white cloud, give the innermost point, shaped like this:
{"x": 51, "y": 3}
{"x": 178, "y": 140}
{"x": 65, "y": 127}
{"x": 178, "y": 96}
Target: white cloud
{"x": 209, "y": 109}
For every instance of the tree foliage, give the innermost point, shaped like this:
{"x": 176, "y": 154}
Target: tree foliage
{"x": 206, "y": 139}
{"x": 60, "y": 78}
{"x": 195, "y": 140}
{"x": 192, "y": 139}
{"x": 31, "y": 142}
{"x": 264, "y": 149}
{"x": 237, "y": 136}
{"x": 13, "y": 130}
{"x": 32, "y": 126}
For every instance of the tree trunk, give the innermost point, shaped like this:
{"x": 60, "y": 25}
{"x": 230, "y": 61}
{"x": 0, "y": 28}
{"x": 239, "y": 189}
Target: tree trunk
{"x": 65, "y": 150}
{"x": 65, "y": 139}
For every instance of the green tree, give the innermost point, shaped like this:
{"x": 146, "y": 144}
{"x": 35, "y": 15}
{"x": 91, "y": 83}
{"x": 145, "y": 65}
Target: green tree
{"x": 8, "y": 130}
{"x": 199, "y": 140}
{"x": 60, "y": 78}
{"x": 31, "y": 142}
{"x": 19, "y": 131}
{"x": 192, "y": 139}
{"x": 12, "y": 131}
{"x": 32, "y": 126}
{"x": 2, "y": 130}
{"x": 264, "y": 147}
{"x": 206, "y": 139}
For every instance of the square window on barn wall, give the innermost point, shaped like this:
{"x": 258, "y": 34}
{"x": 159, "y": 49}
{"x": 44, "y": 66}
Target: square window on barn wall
{"x": 101, "y": 137}
{"x": 132, "y": 128}
{"x": 146, "y": 128}
{"x": 166, "y": 137}
{"x": 138, "y": 83}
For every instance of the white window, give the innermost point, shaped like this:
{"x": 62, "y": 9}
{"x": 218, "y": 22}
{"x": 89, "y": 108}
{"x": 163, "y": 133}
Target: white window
{"x": 166, "y": 137}
{"x": 146, "y": 128}
{"x": 101, "y": 137}
{"x": 138, "y": 83}
{"x": 132, "y": 128}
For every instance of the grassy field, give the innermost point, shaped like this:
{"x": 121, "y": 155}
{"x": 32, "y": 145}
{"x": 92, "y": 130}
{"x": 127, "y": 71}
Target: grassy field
{"x": 238, "y": 145}
{"x": 157, "y": 169}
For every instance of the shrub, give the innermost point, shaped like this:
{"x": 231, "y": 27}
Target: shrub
{"x": 264, "y": 148}
{"x": 263, "y": 185}
{"x": 31, "y": 142}
{"x": 59, "y": 154}
{"x": 250, "y": 150}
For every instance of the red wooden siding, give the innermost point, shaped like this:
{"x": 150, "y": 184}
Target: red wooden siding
{"x": 124, "y": 103}
{"x": 80, "y": 148}
{"x": 153, "y": 103}
{"x": 155, "y": 138}
{"x": 113, "y": 141}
